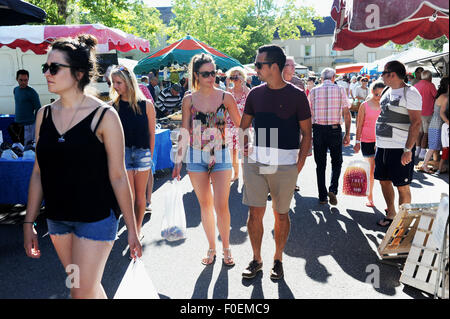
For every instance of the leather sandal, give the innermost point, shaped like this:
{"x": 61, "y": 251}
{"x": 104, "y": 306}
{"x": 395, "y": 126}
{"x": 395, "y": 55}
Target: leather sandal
{"x": 228, "y": 260}
{"x": 210, "y": 257}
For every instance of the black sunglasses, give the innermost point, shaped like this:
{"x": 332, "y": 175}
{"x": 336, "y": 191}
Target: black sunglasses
{"x": 53, "y": 67}
{"x": 386, "y": 72}
{"x": 206, "y": 74}
{"x": 259, "y": 65}
{"x": 234, "y": 78}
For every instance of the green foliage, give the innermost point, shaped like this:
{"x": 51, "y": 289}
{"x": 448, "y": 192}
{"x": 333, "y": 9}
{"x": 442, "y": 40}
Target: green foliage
{"x": 430, "y": 45}
{"x": 239, "y": 27}
{"x": 130, "y": 16}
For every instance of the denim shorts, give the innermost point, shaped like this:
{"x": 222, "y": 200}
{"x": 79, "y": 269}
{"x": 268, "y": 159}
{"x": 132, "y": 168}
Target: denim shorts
{"x": 102, "y": 230}
{"x": 197, "y": 161}
{"x": 138, "y": 159}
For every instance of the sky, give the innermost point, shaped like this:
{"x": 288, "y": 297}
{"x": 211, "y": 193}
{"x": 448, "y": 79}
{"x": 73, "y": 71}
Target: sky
{"x": 323, "y": 7}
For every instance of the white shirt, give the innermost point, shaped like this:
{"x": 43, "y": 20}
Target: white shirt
{"x": 395, "y": 102}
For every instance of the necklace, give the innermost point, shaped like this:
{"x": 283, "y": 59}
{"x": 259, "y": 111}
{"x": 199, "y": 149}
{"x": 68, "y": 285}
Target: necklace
{"x": 61, "y": 138}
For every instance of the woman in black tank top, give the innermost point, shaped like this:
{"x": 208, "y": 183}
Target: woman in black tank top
{"x": 138, "y": 118}
{"x": 78, "y": 170}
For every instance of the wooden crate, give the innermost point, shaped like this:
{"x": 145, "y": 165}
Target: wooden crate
{"x": 398, "y": 239}
{"x": 424, "y": 260}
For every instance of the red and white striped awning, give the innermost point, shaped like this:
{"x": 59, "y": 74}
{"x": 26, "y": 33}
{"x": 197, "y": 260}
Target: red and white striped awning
{"x": 374, "y": 22}
{"x": 37, "y": 38}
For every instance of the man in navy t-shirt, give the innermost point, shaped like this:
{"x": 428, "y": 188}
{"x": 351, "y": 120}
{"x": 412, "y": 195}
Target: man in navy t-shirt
{"x": 27, "y": 104}
{"x": 279, "y": 111}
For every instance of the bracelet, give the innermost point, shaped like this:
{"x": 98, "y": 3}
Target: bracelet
{"x": 34, "y": 223}
{"x": 357, "y": 141}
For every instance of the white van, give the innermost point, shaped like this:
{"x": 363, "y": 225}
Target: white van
{"x": 12, "y": 60}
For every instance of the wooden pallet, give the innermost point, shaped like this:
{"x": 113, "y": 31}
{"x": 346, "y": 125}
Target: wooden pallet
{"x": 398, "y": 239}
{"x": 426, "y": 268}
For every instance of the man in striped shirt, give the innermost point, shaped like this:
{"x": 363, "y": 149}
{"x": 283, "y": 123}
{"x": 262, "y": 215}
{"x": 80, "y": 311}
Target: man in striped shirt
{"x": 328, "y": 103}
{"x": 168, "y": 101}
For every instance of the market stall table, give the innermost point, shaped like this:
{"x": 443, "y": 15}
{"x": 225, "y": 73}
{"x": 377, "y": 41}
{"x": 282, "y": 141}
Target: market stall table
{"x": 15, "y": 174}
{"x": 5, "y": 121}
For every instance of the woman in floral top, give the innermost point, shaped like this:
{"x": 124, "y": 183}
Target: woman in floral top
{"x": 202, "y": 144}
{"x": 239, "y": 90}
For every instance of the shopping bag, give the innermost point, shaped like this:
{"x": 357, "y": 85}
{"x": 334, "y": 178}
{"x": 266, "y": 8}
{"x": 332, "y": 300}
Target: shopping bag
{"x": 356, "y": 179}
{"x": 136, "y": 284}
{"x": 173, "y": 225}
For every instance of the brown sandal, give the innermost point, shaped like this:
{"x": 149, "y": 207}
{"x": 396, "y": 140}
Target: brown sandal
{"x": 210, "y": 257}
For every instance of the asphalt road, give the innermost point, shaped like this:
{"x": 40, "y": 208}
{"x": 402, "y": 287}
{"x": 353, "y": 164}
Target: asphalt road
{"x": 331, "y": 251}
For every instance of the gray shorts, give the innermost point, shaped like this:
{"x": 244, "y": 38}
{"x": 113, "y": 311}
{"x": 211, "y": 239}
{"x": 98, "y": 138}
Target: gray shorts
{"x": 425, "y": 124}
{"x": 260, "y": 179}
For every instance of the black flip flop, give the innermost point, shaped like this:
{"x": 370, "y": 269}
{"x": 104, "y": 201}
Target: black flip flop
{"x": 385, "y": 220}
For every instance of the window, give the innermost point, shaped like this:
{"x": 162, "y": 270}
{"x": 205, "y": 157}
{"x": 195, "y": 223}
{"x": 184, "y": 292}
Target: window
{"x": 371, "y": 56}
{"x": 308, "y": 50}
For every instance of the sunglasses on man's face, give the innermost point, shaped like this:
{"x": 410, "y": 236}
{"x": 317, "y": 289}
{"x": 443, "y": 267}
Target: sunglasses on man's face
{"x": 207, "y": 74}
{"x": 259, "y": 65}
{"x": 53, "y": 67}
{"x": 364, "y": 81}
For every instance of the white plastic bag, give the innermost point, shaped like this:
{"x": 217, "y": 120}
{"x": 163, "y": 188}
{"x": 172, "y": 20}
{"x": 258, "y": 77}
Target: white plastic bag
{"x": 173, "y": 226}
{"x": 356, "y": 180}
{"x": 136, "y": 284}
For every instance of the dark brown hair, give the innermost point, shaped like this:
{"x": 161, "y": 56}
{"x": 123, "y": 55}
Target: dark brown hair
{"x": 196, "y": 63}
{"x": 80, "y": 55}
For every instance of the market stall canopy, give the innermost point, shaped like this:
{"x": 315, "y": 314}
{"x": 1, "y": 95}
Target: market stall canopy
{"x": 181, "y": 52}
{"x": 17, "y": 12}
{"x": 375, "y": 22}
{"x": 37, "y": 38}
{"x": 405, "y": 57}
{"x": 349, "y": 68}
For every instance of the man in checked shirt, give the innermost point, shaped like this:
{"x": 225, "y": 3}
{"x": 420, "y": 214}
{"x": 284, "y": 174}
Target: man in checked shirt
{"x": 328, "y": 103}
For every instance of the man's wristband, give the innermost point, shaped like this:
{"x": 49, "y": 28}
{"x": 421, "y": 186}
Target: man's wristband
{"x": 406, "y": 150}
{"x": 357, "y": 141}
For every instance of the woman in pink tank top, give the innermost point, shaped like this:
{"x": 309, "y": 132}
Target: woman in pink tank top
{"x": 365, "y": 131}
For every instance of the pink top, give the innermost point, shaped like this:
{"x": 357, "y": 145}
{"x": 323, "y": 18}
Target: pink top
{"x": 146, "y": 92}
{"x": 428, "y": 92}
{"x": 370, "y": 119}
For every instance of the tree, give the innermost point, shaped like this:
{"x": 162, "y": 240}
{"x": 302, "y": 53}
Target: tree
{"x": 431, "y": 45}
{"x": 239, "y": 27}
{"x": 130, "y": 16}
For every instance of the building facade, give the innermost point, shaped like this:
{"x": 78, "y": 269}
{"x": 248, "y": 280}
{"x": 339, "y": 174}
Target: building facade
{"x": 315, "y": 50}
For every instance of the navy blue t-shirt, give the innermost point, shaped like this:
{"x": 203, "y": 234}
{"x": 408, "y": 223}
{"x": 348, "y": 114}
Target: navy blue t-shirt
{"x": 280, "y": 109}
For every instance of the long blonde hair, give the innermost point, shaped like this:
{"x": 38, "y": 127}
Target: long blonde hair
{"x": 134, "y": 92}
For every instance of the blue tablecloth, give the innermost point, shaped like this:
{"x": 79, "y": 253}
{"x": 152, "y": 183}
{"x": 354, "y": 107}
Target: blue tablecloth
{"x": 163, "y": 148}
{"x": 5, "y": 121}
{"x": 15, "y": 174}
{"x": 14, "y": 180}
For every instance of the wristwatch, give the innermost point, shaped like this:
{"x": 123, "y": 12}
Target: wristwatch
{"x": 405, "y": 150}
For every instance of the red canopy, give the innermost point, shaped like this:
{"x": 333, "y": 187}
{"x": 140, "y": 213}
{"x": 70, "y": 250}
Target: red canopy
{"x": 374, "y": 22}
{"x": 38, "y": 37}
{"x": 349, "y": 68}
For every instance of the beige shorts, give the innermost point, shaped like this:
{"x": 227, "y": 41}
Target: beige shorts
{"x": 260, "y": 179}
{"x": 425, "y": 124}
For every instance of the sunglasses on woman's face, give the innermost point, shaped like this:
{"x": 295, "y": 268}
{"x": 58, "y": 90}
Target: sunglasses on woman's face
{"x": 53, "y": 67}
{"x": 234, "y": 78}
{"x": 207, "y": 74}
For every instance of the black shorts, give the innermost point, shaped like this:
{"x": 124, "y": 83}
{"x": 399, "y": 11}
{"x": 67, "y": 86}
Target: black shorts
{"x": 368, "y": 149}
{"x": 388, "y": 166}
